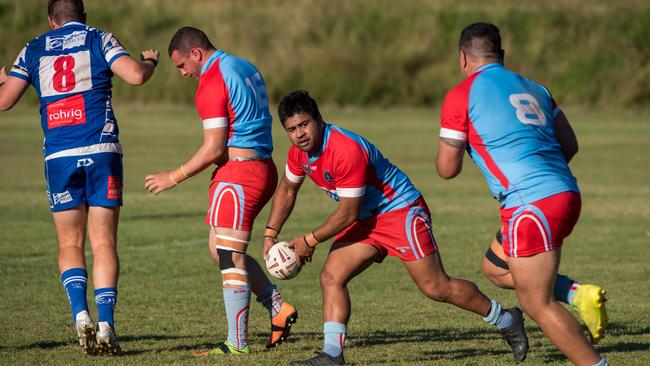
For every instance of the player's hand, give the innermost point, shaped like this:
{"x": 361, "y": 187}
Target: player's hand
{"x": 3, "y": 75}
{"x": 268, "y": 243}
{"x": 303, "y": 251}
{"x": 150, "y": 54}
{"x": 159, "y": 182}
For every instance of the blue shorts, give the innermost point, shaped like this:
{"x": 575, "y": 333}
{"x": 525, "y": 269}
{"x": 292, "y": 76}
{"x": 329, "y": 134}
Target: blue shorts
{"x": 95, "y": 179}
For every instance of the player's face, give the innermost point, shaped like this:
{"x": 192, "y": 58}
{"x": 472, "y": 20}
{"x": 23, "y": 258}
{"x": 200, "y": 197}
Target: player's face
{"x": 187, "y": 64}
{"x": 305, "y": 132}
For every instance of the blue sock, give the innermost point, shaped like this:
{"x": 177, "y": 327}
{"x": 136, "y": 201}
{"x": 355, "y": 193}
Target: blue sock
{"x": 334, "y": 338}
{"x": 271, "y": 299}
{"x": 565, "y": 289}
{"x": 75, "y": 282}
{"x": 499, "y": 317}
{"x": 105, "y": 298}
{"x": 237, "y": 300}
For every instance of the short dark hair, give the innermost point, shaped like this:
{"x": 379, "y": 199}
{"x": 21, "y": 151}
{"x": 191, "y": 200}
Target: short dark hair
{"x": 62, "y": 11}
{"x": 187, "y": 38}
{"x": 481, "y": 40}
{"x": 296, "y": 102}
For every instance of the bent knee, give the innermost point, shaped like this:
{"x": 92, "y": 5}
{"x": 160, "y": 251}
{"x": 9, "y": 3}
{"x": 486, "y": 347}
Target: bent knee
{"x": 330, "y": 279}
{"x": 437, "y": 291}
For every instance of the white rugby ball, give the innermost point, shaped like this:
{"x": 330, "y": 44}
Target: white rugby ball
{"x": 282, "y": 262}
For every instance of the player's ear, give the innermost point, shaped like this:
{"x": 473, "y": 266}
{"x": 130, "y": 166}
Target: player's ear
{"x": 196, "y": 54}
{"x": 52, "y": 23}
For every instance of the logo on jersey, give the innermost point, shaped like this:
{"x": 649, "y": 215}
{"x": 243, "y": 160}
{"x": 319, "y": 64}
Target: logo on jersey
{"x": 66, "y": 112}
{"x": 72, "y": 40}
{"x": 61, "y": 198}
{"x": 306, "y": 168}
{"x": 113, "y": 191}
{"x": 328, "y": 177}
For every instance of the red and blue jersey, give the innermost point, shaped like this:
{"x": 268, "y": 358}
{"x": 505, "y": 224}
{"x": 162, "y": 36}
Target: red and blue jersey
{"x": 70, "y": 69}
{"x": 508, "y": 122}
{"x": 232, "y": 94}
{"x": 349, "y": 166}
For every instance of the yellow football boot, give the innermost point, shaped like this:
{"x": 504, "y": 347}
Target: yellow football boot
{"x": 590, "y": 300}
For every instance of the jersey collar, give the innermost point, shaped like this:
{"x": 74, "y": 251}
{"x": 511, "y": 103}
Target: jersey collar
{"x": 72, "y": 22}
{"x": 215, "y": 55}
{"x": 487, "y": 67}
{"x": 326, "y": 137}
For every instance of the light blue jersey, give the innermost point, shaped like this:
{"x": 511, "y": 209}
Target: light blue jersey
{"x": 508, "y": 122}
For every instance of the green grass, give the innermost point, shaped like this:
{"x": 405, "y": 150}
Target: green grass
{"x": 170, "y": 299}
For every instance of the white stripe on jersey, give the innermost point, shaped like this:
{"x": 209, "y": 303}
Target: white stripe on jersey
{"x": 453, "y": 134}
{"x": 215, "y": 122}
{"x": 351, "y": 192}
{"x": 292, "y": 177}
{"x": 108, "y": 147}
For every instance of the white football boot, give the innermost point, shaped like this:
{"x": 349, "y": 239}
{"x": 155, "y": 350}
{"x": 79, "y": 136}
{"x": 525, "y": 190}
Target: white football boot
{"x": 86, "y": 332}
{"x": 107, "y": 340}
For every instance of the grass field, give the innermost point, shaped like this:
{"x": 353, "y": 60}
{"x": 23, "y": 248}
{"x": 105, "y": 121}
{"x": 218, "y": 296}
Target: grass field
{"x": 170, "y": 298}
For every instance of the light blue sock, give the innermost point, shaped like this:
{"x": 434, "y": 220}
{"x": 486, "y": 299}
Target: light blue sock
{"x": 497, "y": 316}
{"x": 75, "y": 282}
{"x": 106, "y": 298}
{"x": 602, "y": 362}
{"x": 237, "y": 300}
{"x": 565, "y": 289}
{"x": 271, "y": 299}
{"x": 334, "y": 338}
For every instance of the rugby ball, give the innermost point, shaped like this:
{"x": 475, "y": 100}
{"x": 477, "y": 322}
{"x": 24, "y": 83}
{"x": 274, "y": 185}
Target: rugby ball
{"x": 282, "y": 262}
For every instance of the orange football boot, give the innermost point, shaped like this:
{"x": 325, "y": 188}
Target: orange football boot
{"x": 281, "y": 324}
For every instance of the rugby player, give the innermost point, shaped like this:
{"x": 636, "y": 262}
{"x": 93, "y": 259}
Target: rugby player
{"x": 379, "y": 213}
{"x": 71, "y": 69}
{"x": 522, "y": 142}
{"x": 232, "y": 103}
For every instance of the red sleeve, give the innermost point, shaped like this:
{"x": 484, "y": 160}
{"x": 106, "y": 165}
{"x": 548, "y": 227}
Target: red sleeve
{"x": 212, "y": 99}
{"x": 293, "y": 170}
{"x": 350, "y": 167}
{"x": 453, "y": 115}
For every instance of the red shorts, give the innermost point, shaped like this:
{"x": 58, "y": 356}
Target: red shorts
{"x": 238, "y": 192}
{"x": 540, "y": 226}
{"x": 404, "y": 233}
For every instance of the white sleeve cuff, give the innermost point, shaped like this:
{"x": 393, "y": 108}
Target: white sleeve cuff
{"x": 292, "y": 177}
{"x": 453, "y": 134}
{"x": 215, "y": 122}
{"x": 351, "y": 192}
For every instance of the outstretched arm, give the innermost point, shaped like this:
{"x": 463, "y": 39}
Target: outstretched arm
{"x": 136, "y": 72}
{"x": 449, "y": 161}
{"x": 11, "y": 90}
{"x": 213, "y": 150}
{"x": 565, "y": 136}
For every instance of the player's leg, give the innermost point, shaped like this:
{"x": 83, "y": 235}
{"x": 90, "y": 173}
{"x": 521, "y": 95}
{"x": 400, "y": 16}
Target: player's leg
{"x": 343, "y": 263}
{"x": 534, "y": 277}
{"x": 102, "y": 234}
{"x": 419, "y": 253}
{"x": 103, "y": 189}
{"x": 70, "y": 228}
{"x": 430, "y": 277}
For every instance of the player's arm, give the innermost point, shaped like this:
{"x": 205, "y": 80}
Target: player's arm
{"x": 284, "y": 200}
{"x": 11, "y": 90}
{"x": 449, "y": 161}
{"x": 213, "y": 150}
{"x": 133, "y": 71}
{"x": 565, "y": 136}
{"x": 345, "y": 215}
{"x": 453, "y": 133}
